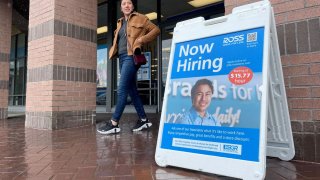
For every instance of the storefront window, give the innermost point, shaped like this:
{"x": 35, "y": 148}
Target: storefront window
{"x": 166, "y": 49}
{"x": 102, "y": 53}
{"x": 21, "y": 45}
{"x": 18, "y": 70}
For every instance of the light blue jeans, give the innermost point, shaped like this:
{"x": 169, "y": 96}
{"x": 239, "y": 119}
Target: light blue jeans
{"x": 128, "y": 85}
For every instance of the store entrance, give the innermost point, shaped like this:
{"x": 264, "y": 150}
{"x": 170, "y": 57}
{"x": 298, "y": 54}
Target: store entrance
{"x": 151, "y": 77}
{"x": 147, "y": 81}
{"x": 147, "y": 76}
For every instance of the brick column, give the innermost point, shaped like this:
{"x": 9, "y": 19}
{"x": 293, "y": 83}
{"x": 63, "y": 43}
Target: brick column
{"x": 61, "y": 84}
{"x": 5, "y": 44}
{"x": 298, "y": 28}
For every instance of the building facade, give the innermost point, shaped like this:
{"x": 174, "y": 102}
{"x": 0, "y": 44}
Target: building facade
{"x": 298, "y": 31}
{"x": 53, "y": 59}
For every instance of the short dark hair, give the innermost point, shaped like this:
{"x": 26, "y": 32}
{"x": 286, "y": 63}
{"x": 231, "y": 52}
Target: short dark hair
{"x": 201, "y": 82}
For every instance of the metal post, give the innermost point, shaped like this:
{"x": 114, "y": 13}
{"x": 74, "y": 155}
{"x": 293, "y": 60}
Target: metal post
{"x": 159, "y": 47}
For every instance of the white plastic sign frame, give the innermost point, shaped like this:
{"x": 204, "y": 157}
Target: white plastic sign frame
{"x": 236, "y": 146}
{"x": 279, "y": 133}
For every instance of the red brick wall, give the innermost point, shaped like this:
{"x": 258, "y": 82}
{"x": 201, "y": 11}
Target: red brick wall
{"x": 298, "y": 31}
{"x": 5, "y": 44}
{"x": 61, "y": 85}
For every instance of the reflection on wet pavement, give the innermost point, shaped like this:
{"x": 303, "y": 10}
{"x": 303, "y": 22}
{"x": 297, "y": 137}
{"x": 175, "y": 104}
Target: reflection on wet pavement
{"x": 81, "y": 153}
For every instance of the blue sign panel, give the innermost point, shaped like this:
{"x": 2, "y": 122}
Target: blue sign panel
{"x": 214, "y": 96}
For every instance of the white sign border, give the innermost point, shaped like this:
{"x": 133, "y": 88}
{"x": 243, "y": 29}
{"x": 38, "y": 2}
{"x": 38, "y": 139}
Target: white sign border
{"x": 242, "y": 18}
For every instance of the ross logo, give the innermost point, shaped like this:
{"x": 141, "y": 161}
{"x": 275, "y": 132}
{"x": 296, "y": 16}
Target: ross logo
{"x": 233, "y": 39}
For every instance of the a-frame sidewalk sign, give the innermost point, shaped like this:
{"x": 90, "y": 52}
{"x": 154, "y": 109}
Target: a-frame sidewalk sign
{"x": 235, "y": 61}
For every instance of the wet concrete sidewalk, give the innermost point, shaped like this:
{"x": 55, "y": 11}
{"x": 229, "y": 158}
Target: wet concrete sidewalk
{"x": 81, "y": 153}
